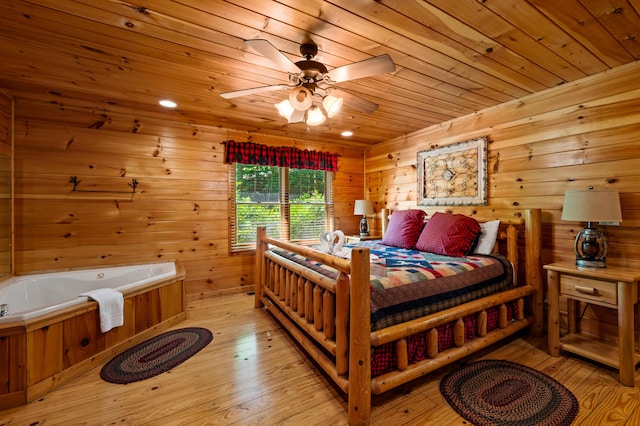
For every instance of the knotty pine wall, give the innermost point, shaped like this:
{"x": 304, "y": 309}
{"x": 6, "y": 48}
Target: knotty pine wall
{"x": 6, "y": 117}
{"x": 179, "y": 211}
{"x": 570, "y": 137}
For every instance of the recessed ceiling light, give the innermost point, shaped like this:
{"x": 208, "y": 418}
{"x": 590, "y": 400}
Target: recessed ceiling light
{"x": 347, "y": 133}
{"x": 167, "y": 103}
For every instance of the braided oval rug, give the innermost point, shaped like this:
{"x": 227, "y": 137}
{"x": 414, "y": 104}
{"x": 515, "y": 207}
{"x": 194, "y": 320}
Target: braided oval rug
{"x": 497, "y": 392}
{"x": 156, "y": 355}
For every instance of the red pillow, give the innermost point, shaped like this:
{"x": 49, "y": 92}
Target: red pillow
{"x": 448, "y": 234}
{"x": 404, "y": 228}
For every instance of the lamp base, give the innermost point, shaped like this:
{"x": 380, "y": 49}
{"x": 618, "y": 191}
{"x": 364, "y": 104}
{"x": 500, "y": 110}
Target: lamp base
{"x": 590, "y": 248}
{"x": 364, "y": 227}
{"x": 584, "y": 263}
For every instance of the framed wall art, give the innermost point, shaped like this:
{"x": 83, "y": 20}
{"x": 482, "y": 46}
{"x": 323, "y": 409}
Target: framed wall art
{"x": 453, "y": 175}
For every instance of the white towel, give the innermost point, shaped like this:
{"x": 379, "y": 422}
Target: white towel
{"x": 337, "y": 248}
{"x": 110, "y": 307}
{"x": 345, "y": 253}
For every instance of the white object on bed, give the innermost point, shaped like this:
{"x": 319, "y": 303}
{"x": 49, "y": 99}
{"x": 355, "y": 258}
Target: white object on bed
{"x": 488, "y": 236}
{"x": 328, "y": 243}
{"x": 345, "y": 253}
{"x": 110, "y": 307}
{"x": 337, "y": 248}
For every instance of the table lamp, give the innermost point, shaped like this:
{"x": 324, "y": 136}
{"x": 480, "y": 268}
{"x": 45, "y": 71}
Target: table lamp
{"x": 364, "y": 208}
{"x": 591, "y": 205}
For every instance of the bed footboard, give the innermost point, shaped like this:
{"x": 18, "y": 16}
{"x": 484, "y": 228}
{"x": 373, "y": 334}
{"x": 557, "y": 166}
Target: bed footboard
{"x": 316, "y": 311}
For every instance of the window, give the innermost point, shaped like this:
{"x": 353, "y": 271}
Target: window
{"x": 294, "y": 204}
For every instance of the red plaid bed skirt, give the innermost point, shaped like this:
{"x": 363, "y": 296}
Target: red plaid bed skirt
{"x": 383, "y": 358}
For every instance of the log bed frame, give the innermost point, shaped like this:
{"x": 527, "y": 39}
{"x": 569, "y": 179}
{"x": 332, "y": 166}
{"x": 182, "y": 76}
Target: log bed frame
{"x": 317, "y": 311}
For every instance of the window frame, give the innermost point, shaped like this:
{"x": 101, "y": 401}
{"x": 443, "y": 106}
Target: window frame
{"x": 285, "y": 207}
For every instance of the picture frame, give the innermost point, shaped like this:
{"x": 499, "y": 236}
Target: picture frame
{"x": 453, "y": 175}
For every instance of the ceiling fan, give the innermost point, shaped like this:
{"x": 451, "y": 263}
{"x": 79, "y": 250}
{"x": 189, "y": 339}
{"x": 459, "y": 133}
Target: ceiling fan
{"x": 309, "y": 78}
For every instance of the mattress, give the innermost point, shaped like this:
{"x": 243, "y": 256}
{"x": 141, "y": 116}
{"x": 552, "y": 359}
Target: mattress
{"x": 408, "y": 284}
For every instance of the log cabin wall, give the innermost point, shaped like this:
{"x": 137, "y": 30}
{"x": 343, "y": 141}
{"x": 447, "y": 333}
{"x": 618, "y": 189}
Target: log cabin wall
{"x": 180, "y": 207}
{"x": 6, "y": 134}
{"x": 570, "y": 137}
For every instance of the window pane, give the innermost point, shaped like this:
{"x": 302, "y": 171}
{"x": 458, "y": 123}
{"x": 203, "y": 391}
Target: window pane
{"x": 307, "y": 199}
{"x": 306, "y": 186}
{"x": 250, "y": 216}
{"x": 259, "y": 184}
{"x": 308, "y": 221}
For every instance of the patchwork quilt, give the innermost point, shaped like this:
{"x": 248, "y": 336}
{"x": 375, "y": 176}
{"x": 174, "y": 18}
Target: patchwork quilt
{"x": 408, "y": 284}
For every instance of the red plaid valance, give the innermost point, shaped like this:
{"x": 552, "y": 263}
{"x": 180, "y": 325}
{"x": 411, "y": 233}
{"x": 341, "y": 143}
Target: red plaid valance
{"x": 281, "y": 156}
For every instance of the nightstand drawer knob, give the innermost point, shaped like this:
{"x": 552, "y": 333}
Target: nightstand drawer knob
{"x": 586, "y": 290}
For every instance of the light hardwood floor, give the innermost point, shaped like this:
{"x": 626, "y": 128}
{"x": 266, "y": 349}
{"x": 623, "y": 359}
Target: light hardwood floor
{"x": 252, "y": 374}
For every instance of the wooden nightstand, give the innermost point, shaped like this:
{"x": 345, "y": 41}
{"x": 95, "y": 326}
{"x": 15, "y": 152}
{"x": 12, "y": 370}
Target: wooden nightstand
{"x": 612, "y": 287}
{"x": 358, "y": 238}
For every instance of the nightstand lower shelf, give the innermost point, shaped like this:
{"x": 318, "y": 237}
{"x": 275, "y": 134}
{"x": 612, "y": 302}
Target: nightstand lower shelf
{"x": 591, "y": 347}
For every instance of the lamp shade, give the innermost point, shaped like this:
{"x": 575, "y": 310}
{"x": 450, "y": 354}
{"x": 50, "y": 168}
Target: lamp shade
{"x": 332, "y": 105}
{"x": 285, "y": 108}
{"x": 363, "y": 207}
{"x": 315, "y": 116}
{"x": 301, "y": 98}
{"x": 592, "y": 205}
{"x": 289, "y": 112}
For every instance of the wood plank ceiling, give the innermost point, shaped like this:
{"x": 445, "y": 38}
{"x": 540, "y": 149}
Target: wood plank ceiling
{"x": 452, "y": 58}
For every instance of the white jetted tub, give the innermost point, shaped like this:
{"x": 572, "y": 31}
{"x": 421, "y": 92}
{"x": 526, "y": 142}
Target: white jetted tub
{"x": 29, "y": 296}
{"x": 51, "y": 335}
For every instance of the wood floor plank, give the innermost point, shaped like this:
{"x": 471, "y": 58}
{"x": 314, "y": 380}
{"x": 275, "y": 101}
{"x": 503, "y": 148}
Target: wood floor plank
{"x": 253, "y": 374}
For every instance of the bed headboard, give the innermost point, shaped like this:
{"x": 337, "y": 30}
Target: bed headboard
{"x": 518, "y": 239}
{"x": 386, "y": 214}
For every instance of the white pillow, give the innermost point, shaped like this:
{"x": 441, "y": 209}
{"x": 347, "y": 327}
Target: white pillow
{"x": 488, "y": 236}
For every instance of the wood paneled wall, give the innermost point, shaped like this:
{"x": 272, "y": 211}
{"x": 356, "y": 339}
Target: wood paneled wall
{"x": 6, "y": 135}
{"x": 570, "y": 137}
{"x": 179, "y": 210}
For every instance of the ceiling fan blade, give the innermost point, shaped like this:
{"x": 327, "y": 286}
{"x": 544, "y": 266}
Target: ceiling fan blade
{"x": 372, "y": 66}
{"x": 270, "y": 52}
{"x": 355, "y": 101}
{"x": 254, "y": 91}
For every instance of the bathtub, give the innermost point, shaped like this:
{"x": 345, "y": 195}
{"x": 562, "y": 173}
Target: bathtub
{"x": 52, "y": 335}
{"x": 31, "y": 296}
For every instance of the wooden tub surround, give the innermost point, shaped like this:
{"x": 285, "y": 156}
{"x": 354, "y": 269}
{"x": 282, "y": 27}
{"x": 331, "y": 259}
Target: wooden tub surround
{"x": 330, "y": 318}
{"x": 43, "y": 353}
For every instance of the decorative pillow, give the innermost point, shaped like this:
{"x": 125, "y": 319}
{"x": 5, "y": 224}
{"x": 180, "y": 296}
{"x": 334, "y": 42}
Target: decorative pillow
{"x": 448, "y": 234}
{"x": 487, "y": 237}
{"x": 404, "y": 228}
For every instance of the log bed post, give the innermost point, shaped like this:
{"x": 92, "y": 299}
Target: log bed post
{"x": 259, "y": 273}
{"x": 533, "y": 267}
{"x": 360, "y": 339}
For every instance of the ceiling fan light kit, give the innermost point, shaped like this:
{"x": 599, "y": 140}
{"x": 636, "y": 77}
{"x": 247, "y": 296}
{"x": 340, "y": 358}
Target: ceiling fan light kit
{"x": 315, "y": 116}
{"x": 310, "y": 78}
{"x": 300, "y": 107}
{"x": 301, "y": 98}
{"x": 285, "y": 109}
{"x": 332, "y": 105}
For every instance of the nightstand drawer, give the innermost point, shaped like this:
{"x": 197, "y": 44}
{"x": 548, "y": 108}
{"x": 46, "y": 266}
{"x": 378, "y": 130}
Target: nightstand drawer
{"x": 589, "y": 290}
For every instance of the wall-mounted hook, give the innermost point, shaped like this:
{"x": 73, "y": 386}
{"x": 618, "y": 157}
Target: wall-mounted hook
{"x": 75, "y": 181}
